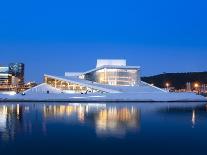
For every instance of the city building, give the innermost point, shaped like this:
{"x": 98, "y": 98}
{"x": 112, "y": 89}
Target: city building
{"x": 110, "y": 80}
{"x": 204, "y": 88}
{"x": 12, "y": 77}
{"x": 5, "y": 76}
{"x": 109, "y": 76}
{"x": 188, "y": 87}
{"x": 17, "y": 72}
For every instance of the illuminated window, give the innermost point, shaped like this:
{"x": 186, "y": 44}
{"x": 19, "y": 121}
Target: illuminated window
{"x": 119, "y": 77}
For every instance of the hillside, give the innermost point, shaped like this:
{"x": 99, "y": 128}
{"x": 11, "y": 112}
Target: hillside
{"x": 177, "y": 80}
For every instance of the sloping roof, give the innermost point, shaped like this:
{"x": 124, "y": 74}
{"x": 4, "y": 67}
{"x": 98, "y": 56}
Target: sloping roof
{"x": 43, "y": 88}
{"x": 84, "y": 83}
{"x": 142, "y": 88}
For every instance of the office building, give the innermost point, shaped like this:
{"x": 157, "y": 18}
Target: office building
{"x": 17, "y": 72}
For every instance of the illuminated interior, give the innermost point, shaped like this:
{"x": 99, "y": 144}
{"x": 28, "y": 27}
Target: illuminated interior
{"x": 67, "y": 87}
{"x": 107, "y": 72}
{"x": 116, "y": 77}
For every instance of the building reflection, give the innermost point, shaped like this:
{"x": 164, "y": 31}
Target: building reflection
{"x": 65, "y": 111}
{"x": 29, "y": 118}
{"x": 108, "y": 121}
{"x": 117, "y": 122}
{"x": 19, "y": 118}
{"x": 193, "y": 118}
{"x": 10, "y": 121}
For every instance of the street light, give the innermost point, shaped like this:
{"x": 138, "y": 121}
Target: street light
{"x": 167, "y": 85}
{"x": 196, "y": 85}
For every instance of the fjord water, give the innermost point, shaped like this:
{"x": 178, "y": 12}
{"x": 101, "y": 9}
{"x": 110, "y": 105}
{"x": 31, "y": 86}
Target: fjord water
{"x": 103, "y": 128}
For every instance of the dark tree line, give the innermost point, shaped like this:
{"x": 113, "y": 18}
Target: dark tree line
{"x": 177, "y": 80}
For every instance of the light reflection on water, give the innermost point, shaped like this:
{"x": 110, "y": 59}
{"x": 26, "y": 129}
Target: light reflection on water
{"x": 110, "y": 121}
{"x": 107, "y": 120}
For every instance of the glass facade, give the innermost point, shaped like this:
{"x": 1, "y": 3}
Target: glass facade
{"x": 4, "y": 69}
{"x": 67, "y": 87}
{"x": 5, "y": 77}
{"x": 116, "y": 77}
{"x": 17, "y": 70}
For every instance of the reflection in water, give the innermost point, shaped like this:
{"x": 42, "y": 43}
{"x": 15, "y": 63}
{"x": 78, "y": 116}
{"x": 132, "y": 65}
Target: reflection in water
{"x": 193, "y": 118}
{"x": 108, "y": 120}
{"x": 113, "y": 121}
{"x": 67, "y": 111}
{"x": 3, "y": 113}
{"x": 10, "y": 121}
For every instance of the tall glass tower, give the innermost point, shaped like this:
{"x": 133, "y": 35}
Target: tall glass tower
{"x": 17, "y": 71}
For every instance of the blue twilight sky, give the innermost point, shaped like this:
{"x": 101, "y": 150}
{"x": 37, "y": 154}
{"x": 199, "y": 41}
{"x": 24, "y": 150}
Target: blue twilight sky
{"x": 57, "y": 36}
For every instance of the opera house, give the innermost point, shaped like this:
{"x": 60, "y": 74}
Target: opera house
{"x": 111, "y": 80}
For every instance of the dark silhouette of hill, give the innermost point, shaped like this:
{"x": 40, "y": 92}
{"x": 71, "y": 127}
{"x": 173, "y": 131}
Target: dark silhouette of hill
{"x": 177, "y": 80}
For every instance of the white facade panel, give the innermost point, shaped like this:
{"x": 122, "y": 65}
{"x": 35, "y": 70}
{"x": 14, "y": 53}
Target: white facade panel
{"x": 110, "y": 62}
{"x": 73, "y": 73}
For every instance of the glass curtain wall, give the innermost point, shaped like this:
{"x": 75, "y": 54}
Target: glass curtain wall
{"x": 65, "y": 86}
{"x": 117, "y": 77}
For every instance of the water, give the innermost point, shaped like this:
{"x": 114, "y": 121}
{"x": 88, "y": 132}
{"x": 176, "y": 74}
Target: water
{"x": 111, "y": 128}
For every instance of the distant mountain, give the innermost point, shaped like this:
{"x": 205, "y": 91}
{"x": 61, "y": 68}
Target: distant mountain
{"x": 177, "y": 80}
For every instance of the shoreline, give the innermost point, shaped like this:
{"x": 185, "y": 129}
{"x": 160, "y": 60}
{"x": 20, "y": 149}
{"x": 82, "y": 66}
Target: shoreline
{"x": 103, "y": 101}
{"x": 113, "y": 97}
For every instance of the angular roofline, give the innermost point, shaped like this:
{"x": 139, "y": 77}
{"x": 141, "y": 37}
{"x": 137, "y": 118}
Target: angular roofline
{"x": 117, "y": 62}
{"x": 112, "y": 67}
{"x": 39, "y": 86}
{"x": 100, "y": 87}
{"x": 83, "y": 84}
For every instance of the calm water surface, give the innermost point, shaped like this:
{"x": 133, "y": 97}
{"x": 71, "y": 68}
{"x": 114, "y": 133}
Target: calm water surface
{"x": 111, "y": 128}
